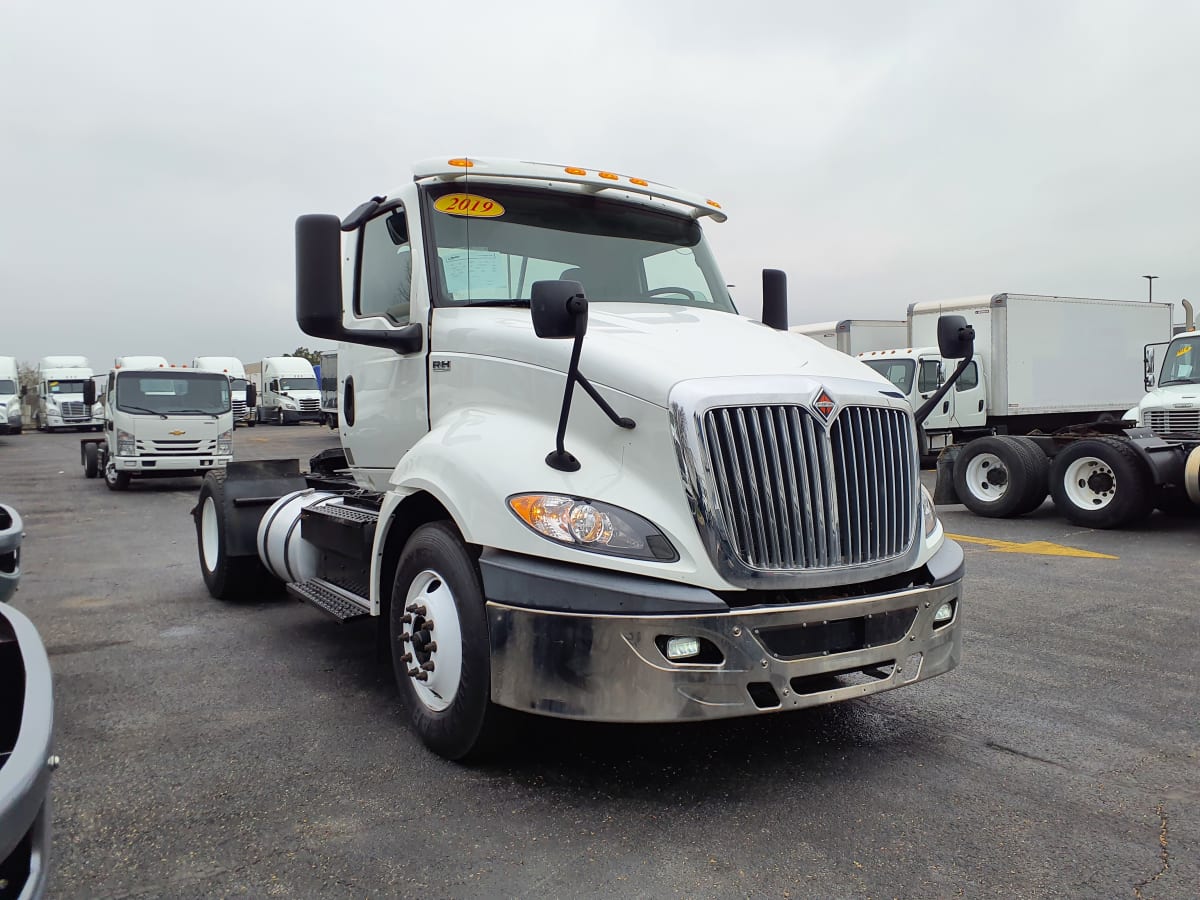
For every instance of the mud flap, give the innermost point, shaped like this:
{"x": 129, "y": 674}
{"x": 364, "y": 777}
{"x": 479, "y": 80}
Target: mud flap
{"x": 943, "y": 489}
{"x": 250, "y": 487}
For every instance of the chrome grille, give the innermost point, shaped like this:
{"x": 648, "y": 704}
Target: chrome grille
{"x": 310, "y": 406}
{"x": 793, "y": 495}
{"x": 1173, "y": 421}
{"x": 73, "y": 409}
{"x": 239, "y": 409}
{"x": 175, "y": 448}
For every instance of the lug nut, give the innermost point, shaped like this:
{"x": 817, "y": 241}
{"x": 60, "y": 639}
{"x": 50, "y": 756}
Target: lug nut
{"x": 415, "y": 608}
{"x": 406, "y": 658}
{"x": 406, "y": 619}
{"x": 405, "y": 637}
{"x": 431, "y": 647}
{"x": 428, "y": 666}
{"x": 422, "y": 676}
{"x": 414, "y": 672}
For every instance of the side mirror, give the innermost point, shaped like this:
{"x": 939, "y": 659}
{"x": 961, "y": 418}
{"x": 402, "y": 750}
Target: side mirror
{"x": 956, "y": 339}
{"x": 251, "y": 395}
{"x": 1150, "y": 371}
{"x": 319, "y": 289}
{"x": 555, "y": 306}
{"x": 775, "y": 307}
{"x": 89, "y": 393}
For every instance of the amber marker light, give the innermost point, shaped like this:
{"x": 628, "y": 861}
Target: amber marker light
{"x": 575, "y": 170}
{"x": 609, "y": 175}
{"x": 713, "y": 203}
{"x": 462, "y": 163}
{"x": 640, "y": 181}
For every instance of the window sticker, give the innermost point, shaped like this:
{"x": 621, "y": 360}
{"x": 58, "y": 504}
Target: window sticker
{"x": 1184, "y": 350}
{"x": 468, "y": 205}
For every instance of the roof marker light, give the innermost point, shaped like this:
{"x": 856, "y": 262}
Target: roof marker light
{"x": 462, "y": 163}
{"x": 713, "y": 203}
{"x": 609, "y": 175}
{"x": 640, "y": 181}
{"x": 575, "y": 170}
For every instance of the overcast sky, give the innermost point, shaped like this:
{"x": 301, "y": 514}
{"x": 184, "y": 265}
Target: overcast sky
{"x": 153, "y": 156}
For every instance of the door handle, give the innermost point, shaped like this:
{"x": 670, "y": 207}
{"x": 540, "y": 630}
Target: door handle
{"x": 945, "y": 405}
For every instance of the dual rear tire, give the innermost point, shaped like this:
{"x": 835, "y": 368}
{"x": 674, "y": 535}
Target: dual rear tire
{"x": 1001, "y": 477}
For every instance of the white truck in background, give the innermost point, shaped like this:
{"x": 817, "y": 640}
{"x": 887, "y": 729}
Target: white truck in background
{"x": 160, "y": 421}
{"x": 287, "y": 391}
{"x": 10, "y": 396}
{"x": 60, "y": 402}
{"x": 329, "y": 388}
{"x": 706, "y": 532}
{"x": 244, "y": 395}
{"x": 855, "y": 336}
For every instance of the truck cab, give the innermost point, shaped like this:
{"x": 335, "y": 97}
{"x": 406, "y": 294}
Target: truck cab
{"x": 918, "y": 372}
{"x": 160, "y": 421}
{"x": 574, "y": 481}
{"x": 60, "y": 401}
{"x": 10, "y": 396}
{"x": 244, "y": 399}
{"x": 1171, "y": 407}
{"x": 289, "y": 392}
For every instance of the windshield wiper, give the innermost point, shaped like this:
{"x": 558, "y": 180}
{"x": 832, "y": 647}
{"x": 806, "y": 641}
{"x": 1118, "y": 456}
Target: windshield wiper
{"x": 516, "y": 303}
{"x": 1178, "y": 381}
{"x": 202, "y": 412}
{"x": 141, "y": 409}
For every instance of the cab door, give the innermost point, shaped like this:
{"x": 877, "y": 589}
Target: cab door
{"x": 970, "y": 398}
{"x": 931, "y": 373}
{"x": 383, "y": 394}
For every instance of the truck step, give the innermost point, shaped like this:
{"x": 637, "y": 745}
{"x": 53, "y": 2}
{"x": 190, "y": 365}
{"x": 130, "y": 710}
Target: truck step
{"x": 339, "y": 603}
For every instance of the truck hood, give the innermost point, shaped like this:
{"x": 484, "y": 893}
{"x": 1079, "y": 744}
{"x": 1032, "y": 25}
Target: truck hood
{"x": 154, "y": 428}
{"x": 1173, "y": 396}
{"x": 644, "y": 349}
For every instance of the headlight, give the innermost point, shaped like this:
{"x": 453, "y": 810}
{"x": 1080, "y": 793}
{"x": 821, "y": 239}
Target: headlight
{"x": 287, "y": 403}
{"x": 927, "y": 510}
{"x": 591, "y": 525}
{"x": 126, "y": 446}
{"x": 225, "y": 443}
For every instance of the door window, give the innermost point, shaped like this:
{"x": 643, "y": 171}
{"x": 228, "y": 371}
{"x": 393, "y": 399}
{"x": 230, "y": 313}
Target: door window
{"x": 969, "y": 378}
{"x": 385, "y": 269}
{"x": 930, "y": 377}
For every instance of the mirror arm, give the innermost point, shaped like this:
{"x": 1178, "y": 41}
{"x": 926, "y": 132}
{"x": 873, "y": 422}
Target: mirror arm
{"x": 929, "y": 405}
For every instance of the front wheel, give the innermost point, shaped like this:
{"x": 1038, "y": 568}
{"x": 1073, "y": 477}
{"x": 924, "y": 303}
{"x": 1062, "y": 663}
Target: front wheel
{"x": 1101, "y": 483}
{"x": 116, "y": 481}
{"x": 441, "y": 652}
{"x": 91, "y": 461}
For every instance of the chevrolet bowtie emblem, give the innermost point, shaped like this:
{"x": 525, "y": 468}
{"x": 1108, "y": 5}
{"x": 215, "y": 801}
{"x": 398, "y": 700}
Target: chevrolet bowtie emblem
{"x": 824, "y": 404}
{"x": 177, "y": 433}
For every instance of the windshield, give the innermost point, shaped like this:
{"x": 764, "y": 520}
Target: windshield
{"x": 65, "y": 387}
{"x": 495, "y": 242}
{"x": 7, "y": 386}
{"x": 185, "y": 393}
{"x": 1182, "y": 365}
{"x": 297, "y": 384}
{"x": 237, "y": 384}
{"x": 898, "y": 371}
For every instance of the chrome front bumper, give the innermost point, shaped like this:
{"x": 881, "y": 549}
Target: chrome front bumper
{"x": 609, "y": 666}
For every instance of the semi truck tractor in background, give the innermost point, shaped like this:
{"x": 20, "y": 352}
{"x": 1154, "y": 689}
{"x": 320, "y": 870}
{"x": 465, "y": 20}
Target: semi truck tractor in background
{"x": 60, "y": 403}
{"x": 286, "y": 390}
{"x": 329, "y": 388}
{"x": 854, "y": 336}
{"x": 1040, "y": 408}
{"x": 242, "y": 392}
{"x": 1171, "y": 408}
{"x": 574, "y": 482}
{"x": 11, "y": 393}
{"x": 160, "y": 421}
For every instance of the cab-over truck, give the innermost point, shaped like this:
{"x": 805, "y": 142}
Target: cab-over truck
{"x": 574, "y": 482}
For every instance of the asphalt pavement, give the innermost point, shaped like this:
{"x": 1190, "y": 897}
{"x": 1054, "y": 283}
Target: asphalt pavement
{"x": 258, "y": 750}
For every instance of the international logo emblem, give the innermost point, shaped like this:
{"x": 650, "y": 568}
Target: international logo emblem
{"x": 824, "y": 405}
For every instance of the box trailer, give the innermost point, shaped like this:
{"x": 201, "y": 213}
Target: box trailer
{"x": 854, "y": 336}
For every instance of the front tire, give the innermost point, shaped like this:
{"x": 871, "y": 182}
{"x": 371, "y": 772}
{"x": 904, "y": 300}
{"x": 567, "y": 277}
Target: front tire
{"x": 226, "y": 577}
{"x": 91, "y": 461}
{"x": 444, "y": 671}
{"x": 116, "y": 481}
{"x": 1101, "y": 483}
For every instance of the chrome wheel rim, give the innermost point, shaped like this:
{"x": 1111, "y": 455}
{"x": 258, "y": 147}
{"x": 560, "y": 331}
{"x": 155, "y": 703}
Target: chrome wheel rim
{"x": 432, "y": 640}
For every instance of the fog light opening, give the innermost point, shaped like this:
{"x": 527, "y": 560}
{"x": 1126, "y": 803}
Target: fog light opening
{"x": 943, "y": 614}
{"x": 682, "y": 648}
{"x": 689, "y": 650}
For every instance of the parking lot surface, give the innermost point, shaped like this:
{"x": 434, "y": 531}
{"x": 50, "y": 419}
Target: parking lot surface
{"x": 258, "y": 750}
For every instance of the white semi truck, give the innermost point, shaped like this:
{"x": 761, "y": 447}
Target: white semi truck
{"x": 10, "y": 396}
{"x": 243, "y": 393}
{"x": 287, "y": 390}
{"x": 60, "y": 403}
{"x": 160, "y": 421}
{"x": 854, "y": 336}
{"x": 711, "y": 525}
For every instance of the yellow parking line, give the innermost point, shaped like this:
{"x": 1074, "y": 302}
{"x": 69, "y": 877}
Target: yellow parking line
{"x": 1036, "y": 548}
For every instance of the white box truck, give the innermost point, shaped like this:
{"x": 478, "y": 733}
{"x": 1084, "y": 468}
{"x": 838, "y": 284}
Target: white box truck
{"x": 10, "y": 396}
{"x": 244, "y": 399}
{"x": 721, "y": 521}
{"x": 287, "y": 391}
{"x": 160, "y": 421}
{"x": 854, "y": 336}
{"x": 329, "y": 388}
{"x": 60, "y": 394}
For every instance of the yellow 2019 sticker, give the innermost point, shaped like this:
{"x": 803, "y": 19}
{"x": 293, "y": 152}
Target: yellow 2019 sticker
{"x": 1184, "y": 350}
{"x": 468, "y": 205}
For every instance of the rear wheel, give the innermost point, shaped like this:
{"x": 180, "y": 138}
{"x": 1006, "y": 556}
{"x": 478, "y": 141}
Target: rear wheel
{"x": 998, "y": 477}
{"x": 226, "y": 577}
{"x": 441, "y": 651}
{"x": 1038, "y": 472}
{"x": 1101, "y": 483}
{"x": 91, "y": 460}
